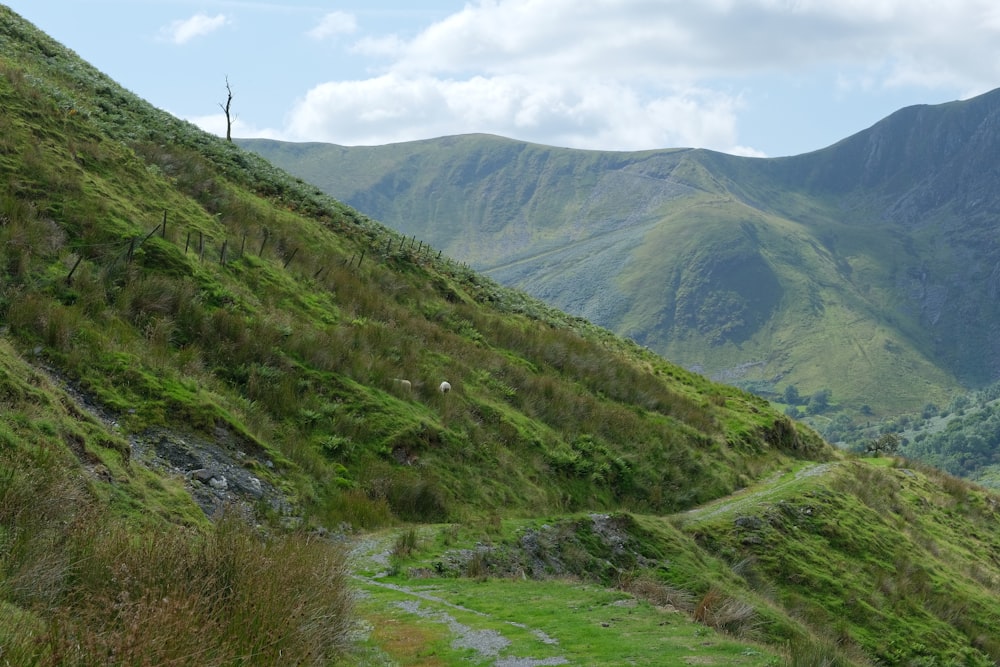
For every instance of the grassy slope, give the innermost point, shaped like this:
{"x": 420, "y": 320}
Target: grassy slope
{"x": 290, "y": 343}
{"x": 879, "y": 257}
{"x": 775, "y": 304}
{"x": 841, "y": 563}
{"x": 103, "y": 561}
{"x": 888, "y": 559}
{"x": 294, "y": 337}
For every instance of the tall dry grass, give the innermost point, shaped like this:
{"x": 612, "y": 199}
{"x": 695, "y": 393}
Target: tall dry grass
{"x": 727, "y": 614}
{"x": 91, "y": 589}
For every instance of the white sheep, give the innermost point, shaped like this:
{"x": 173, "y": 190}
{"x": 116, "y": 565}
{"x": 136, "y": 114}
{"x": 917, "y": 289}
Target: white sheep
{"x": 405, "y": 385}
{"x": 444, "y": 387}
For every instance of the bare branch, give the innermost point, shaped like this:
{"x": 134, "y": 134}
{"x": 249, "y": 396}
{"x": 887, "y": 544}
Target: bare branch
{"x": 230, "y": 118}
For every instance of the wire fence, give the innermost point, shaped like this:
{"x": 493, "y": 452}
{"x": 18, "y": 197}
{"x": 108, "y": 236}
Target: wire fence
{"x": 262, "y": 243}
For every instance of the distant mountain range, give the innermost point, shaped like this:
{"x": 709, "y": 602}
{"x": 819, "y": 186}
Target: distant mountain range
{"x": 870, "y": 268}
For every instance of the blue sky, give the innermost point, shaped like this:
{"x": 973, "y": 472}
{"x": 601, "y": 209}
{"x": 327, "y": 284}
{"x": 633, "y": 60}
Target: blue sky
{"x": 752, "y": 77}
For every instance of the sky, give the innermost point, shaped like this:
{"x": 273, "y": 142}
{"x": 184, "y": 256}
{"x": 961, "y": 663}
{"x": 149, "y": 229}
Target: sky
{"x": 751, "y": 77}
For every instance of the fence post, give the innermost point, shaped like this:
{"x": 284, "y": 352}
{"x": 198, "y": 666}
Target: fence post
{"x": 222, "y": 255}
{"x": 187, "y": 242}
{"x": 285, "y": 265}
{"x": 69, "y": 276}
{"x": 150, "y": 235}
{"x": 263, "y": 243}
{"x": 163, "y": 228}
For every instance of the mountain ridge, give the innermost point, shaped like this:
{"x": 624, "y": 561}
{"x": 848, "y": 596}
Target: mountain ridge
{"x": 888, "y": 227}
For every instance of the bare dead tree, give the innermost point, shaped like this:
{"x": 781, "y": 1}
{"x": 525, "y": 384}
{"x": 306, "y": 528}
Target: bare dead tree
{"x": 230, "y": 118}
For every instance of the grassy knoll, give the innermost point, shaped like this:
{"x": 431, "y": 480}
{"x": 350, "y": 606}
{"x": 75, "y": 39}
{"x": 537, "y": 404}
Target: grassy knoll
{"x": 854, "y": 563}
{"x": 891, "y": 561}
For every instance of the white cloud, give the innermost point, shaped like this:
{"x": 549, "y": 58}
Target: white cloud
{"x": 634, "y": 74}
{"x": 581, "y": 114}
{"x": 183, "y": 31}
{"x": 333, "y": 24}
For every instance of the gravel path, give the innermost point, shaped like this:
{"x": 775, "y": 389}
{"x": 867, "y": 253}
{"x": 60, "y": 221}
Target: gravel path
{"x": 371, "y": 553}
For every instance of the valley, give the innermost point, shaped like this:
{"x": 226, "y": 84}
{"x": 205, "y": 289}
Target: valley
{"x": 864, "y": 268}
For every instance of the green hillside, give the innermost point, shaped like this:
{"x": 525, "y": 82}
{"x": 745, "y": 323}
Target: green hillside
{"x": 866, "y": 269}
{"x": 223, "y": 441}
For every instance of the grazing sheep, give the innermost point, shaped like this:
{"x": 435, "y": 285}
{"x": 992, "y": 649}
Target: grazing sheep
{"x": 444, "y": 387}
{"x": 405, "y": 385}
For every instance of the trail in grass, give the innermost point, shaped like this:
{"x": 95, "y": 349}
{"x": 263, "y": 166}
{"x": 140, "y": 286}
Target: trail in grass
{"x": 440, "y": 625}
{"x": 755, "y": 495}
{"x": 485, "y": 643}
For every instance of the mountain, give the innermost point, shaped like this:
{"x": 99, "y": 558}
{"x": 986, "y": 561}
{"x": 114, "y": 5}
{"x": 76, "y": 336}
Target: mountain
{"x": 867, "y": 268}
{"x": 225, "y": 439}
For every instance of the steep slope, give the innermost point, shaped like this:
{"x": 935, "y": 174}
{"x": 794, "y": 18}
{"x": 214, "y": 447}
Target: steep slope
{"x": 191, "y": 338}
{"x": 175, "y": 278}
{"x": 866, "y": 268}
{"x": 926, "y": 176}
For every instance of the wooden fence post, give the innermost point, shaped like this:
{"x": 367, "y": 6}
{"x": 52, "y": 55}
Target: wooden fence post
{"x": 263, "y": 243}
{"x": 150, "y": 235}
{"x": 69, "y": 276}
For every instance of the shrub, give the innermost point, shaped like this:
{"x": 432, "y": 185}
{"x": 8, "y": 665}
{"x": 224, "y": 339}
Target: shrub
{"x": 405, "y": 544}
{"x": 411, "y": 498}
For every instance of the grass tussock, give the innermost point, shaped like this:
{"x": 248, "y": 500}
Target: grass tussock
{"x": 727, "y": 614}
{"x": 655, "y": 592}
{"x": 816, "y": 653}
{"x": 83, "y": 588}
